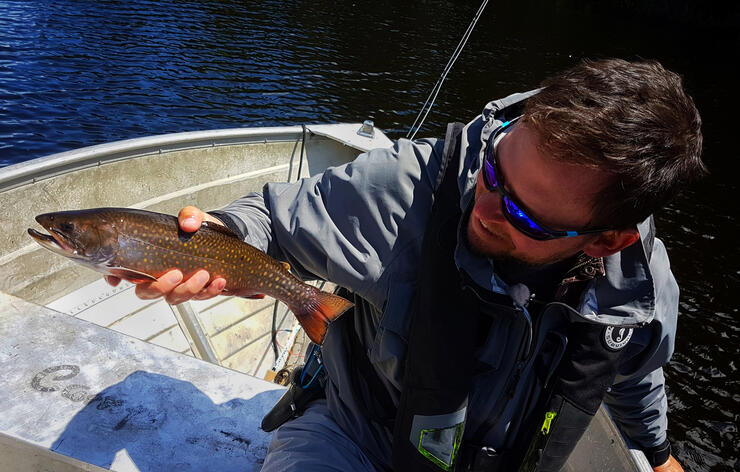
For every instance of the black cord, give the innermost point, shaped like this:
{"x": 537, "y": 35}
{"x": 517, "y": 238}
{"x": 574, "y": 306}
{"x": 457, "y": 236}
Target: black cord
{"x": 274, "y": 330}
{"x": 274, "y": 311}
{"x": 300, "y": 157}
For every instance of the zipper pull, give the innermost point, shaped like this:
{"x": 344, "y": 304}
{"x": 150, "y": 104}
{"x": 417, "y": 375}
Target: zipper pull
{"x": 549, "y": 416}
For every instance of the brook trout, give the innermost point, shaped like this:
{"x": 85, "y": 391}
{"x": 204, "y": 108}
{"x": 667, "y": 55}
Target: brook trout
{"x": 138, "y": 245}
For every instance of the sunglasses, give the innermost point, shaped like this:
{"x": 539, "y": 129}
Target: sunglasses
{"x": 513, "y": 210}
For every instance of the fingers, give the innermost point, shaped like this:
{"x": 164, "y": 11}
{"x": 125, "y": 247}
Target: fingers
{"x": 215, "y": 288}
{"x": 161, "y": 287}
{"x": 188, "y": 289}
{"x": 175, "y": 291}
{"x": 171, "y": 285}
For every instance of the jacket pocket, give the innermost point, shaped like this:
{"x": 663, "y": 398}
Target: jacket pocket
{"x": 549, "y": 356}
{"x": 500, "y": 342}
{"x": 388, "y": 348}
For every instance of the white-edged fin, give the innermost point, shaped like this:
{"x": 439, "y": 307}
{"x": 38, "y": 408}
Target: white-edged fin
{"x": 128, "y": 274}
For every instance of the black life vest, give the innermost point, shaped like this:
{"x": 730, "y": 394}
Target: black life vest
{"x": 431, "y": 414}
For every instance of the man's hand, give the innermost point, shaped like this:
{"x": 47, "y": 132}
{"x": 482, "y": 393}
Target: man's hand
{"x": 671, "y": 465}
{"x": 171, "y": 285}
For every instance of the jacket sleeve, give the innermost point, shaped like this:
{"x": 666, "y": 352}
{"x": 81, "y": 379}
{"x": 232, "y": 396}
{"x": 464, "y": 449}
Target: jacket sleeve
{"x": 348, "y": 223}
{"x": 637, "y": 400}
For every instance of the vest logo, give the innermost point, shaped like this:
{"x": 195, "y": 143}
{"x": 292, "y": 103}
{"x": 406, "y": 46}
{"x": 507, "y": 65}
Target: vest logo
{"x": 616, "y": 338}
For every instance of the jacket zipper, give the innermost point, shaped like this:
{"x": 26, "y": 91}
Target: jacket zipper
{"x": 539, "y": 442}
{"x": 523, "y": 358}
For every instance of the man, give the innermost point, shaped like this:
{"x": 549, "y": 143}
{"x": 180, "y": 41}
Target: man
{"x": 506, "y": 279}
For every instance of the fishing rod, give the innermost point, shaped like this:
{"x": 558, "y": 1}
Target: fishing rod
{"x": 438, "y": 86}
{"x": 420, "y": 118}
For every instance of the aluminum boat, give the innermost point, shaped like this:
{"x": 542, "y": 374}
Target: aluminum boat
{"x": 95, "y": 378}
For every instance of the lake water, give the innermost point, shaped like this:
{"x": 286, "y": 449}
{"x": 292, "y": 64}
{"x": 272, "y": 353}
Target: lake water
{"x": 78, "y": 72}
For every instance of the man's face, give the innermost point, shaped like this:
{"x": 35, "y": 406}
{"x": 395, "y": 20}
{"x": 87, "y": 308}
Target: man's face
{"x": 557, "y": 194}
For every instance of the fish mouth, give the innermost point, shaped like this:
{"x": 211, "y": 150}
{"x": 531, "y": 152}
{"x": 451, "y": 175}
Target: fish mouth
{"x": 55, "y": 241}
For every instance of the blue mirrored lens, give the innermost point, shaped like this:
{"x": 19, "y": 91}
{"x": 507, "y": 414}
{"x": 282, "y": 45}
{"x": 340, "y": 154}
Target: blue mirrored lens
{"x": 522, "y": 222}
{"x": 489, "y": 175}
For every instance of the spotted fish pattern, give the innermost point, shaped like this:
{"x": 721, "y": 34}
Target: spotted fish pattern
{"x": 139, "y": 245}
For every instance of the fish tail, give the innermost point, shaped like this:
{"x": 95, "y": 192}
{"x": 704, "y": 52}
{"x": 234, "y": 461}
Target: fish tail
{"x": 316, "y": 315}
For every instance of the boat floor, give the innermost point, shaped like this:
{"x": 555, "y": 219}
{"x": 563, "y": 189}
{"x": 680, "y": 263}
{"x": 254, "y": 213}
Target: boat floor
{"x": 237, "y": 329}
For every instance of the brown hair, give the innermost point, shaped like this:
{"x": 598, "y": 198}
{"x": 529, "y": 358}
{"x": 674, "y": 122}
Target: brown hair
{"x": 633, "y": 120}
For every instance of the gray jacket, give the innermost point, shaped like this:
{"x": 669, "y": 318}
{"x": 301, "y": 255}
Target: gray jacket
{"x": 361, "y": 225}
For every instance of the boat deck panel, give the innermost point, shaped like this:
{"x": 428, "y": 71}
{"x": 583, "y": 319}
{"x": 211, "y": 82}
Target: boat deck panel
{"x": 145, "y": 323}
{"x": 172, "y": 339}
{"x": 237, "y": 328}
{"x": 257, "y": 357}
{"x": 119, "y": 308}
{"x": 228, "y": 312}
{"x": 151, "y": 182}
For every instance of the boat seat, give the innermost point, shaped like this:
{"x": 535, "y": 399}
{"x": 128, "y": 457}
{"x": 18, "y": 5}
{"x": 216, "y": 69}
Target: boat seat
{"x": 82, "y": 397}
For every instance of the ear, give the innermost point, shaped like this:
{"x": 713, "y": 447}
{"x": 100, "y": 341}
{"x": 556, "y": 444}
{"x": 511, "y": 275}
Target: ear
{"x": 611, "y": 242}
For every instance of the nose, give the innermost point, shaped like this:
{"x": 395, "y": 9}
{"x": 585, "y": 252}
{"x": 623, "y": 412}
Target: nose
{"x": 488, "y": 204}
{"x": 488, "y": 207}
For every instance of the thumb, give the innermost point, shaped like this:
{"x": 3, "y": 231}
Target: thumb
{"x": 190, "y": 218}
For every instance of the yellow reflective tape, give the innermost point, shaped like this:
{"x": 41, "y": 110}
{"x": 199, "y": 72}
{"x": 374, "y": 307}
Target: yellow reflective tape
{"x": 455, "y": 447}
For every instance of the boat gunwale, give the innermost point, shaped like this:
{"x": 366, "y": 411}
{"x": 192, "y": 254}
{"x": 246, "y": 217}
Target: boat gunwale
{"x": 41, "y": 168}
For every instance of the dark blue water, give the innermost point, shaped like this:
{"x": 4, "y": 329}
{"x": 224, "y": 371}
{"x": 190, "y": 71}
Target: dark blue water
{"x": 76, "y": 73}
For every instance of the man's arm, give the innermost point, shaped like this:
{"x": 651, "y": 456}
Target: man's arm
{"x": 639, "y": 406}
{"x": 348, "y": 223}
{"x": 345, "y": 225}
{"x": 637, "y": 400}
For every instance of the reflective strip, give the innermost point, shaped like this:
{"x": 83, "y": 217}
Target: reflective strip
{"x": 438, "y": 437}
{"x": 441, "y": 445}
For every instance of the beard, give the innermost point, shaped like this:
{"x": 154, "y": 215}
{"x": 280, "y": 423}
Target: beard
{"x": 494, "y": 244}
{"x": 487, "y": 242}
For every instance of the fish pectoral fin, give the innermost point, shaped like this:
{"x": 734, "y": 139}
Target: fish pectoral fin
{"x": 130, "y": 275}
{"x": 286, "y": 265}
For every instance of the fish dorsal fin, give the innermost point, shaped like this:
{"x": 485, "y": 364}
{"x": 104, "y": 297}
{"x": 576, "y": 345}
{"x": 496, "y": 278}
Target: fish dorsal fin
{"x": 219, "y": 228}
{"x": 130, "y": 275}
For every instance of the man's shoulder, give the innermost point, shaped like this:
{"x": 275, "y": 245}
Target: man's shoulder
{"x": 407, "y": 166}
